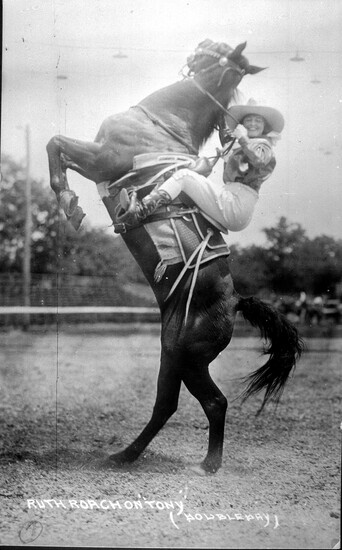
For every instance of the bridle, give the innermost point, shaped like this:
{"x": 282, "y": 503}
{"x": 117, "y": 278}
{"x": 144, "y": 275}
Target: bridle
{"x": 223, "y": 61}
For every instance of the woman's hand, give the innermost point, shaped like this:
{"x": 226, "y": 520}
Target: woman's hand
{"x": 240, "y": 132}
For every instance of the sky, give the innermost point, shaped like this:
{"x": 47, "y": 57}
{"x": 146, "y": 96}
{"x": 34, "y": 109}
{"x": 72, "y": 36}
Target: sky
{"x": 44, "y": 40}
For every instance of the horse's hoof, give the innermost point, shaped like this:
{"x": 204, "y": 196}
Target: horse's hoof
{"x": 203, "y": 469}
{"x": 109, "y": 464}
{"x": 116, "y": 460}
{"x": 76, "y": 218}
{"x": 197, "y": 469}
{"x": 102, "y": 464}
{"x": 94, "y": 464}
{"x": 68, "y": 201}
{"x": 99, "y": 464}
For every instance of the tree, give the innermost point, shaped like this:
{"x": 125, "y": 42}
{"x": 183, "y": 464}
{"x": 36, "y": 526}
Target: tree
{"x": 290, "y": 261}
{"x": 295, "y": 262}
{"x": 320, "y": 265}
{"x": 249, "y": 270}
{"x": 55, "y": 245}
{"x": 12, "y": 216}
{"x": 284, "y": 248}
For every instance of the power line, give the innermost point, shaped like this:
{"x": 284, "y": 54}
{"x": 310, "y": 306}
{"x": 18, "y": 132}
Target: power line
{"x": 66, "y": 74}
{"x": 110, "y": 75}
{"x": 162, "y": 50}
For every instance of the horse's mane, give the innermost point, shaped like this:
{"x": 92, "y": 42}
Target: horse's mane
{"x": 180, "y": 95}
{"x": 217, "y": 118}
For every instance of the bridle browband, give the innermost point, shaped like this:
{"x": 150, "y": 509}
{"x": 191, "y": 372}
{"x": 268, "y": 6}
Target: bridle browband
{"x": 223, "y": 60}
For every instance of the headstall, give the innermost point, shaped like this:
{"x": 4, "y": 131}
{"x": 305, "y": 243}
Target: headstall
{"x": 223, "y": 60}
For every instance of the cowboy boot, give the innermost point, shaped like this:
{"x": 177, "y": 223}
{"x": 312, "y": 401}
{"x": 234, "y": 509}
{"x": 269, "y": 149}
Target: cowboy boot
{"x": 135, "y": 211}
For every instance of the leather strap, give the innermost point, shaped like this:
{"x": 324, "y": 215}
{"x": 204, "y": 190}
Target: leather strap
{"x": 162, "y": 124}
{"x": 158, "y": 216}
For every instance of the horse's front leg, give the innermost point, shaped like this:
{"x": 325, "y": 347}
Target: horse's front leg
{"x": 66, "y": 153}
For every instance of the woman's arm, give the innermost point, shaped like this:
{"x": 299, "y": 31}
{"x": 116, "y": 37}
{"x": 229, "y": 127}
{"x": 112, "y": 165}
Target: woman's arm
{"x": 258, "y": 150}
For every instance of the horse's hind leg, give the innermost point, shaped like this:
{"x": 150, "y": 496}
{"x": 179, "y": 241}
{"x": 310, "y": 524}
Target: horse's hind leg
{"x": 66, "y": 153}
{"x": 169, "y": 382}
{"x": 214, "y": 404}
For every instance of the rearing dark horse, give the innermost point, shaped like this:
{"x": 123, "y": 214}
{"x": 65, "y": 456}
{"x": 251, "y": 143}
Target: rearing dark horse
{"x": 179, "y": 119}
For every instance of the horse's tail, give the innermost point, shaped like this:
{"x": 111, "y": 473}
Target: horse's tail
{"x": 285, "y": 347}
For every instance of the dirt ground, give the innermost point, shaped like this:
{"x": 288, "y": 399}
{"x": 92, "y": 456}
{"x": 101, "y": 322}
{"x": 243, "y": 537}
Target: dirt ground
{"x": 65, "y": 395}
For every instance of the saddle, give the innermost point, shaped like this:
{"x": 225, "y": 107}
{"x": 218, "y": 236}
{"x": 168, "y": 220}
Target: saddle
{"x": 180, "y": 232}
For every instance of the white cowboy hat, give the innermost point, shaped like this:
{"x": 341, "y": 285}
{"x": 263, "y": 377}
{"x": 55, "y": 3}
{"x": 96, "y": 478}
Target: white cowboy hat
{"x": 274, "y": 119}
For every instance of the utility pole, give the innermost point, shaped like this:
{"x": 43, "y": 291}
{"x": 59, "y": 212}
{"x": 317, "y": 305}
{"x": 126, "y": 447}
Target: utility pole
{"x": 28, "y": 230}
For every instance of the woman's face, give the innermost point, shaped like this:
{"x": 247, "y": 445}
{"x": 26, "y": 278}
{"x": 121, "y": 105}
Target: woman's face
{"x": 254, "y": 124}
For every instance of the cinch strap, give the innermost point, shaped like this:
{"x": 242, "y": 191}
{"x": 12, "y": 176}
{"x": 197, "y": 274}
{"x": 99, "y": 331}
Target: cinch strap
{"x": 199, "y": 252}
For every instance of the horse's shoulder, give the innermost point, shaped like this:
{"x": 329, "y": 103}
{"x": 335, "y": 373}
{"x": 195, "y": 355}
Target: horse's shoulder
{"x": 122, "y": 126}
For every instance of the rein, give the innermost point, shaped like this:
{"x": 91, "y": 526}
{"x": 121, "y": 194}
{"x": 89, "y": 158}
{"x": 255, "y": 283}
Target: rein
{"x": 208, "y": 94}
{"x": 233, "y": 67}
{"x": 222, "y": 62}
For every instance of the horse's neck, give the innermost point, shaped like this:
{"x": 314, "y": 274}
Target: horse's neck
{"x": 184, "y": 101}
{"x": 175, "y": 99}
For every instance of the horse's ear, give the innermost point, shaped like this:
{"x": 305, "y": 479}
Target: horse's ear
{"x": 205, "y": 43}
{"x": 238, "y": 51}
{"x": 253, "y": 69}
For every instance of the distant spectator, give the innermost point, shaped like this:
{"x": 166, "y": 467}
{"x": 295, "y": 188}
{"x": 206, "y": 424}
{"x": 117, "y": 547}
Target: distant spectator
{"x": 317, "y": 308}
{"x": 302, "y": 306}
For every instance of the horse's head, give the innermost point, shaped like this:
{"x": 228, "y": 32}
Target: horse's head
{"x": 210, "y": 56}
{"x": 216, "y": 70}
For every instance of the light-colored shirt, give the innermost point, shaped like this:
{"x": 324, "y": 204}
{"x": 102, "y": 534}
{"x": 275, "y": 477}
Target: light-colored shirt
{"x": 251, "y": 163}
